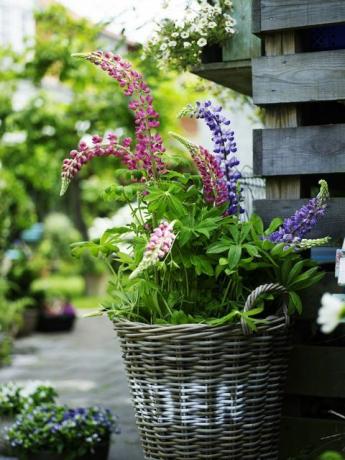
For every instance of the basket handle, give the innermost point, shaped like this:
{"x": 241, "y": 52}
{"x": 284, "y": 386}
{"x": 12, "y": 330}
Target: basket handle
{"x": 254, "y": 295}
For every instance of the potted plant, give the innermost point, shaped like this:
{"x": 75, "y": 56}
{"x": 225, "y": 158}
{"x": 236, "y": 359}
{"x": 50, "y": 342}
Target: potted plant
{"x": 15, "y": 398}
{"x": 214, "y": 40}
{"x": 52, "y": 432}
{"x": 201, "y": 296}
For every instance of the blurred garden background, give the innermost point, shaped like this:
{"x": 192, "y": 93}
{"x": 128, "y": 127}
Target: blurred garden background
{"x": 49, "y": 101}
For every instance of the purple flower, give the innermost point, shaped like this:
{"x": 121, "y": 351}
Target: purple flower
{"x": 294, "y": 228}
{"x": 224, "y": 150}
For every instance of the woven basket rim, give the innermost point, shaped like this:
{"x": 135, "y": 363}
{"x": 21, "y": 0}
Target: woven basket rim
{"x": 274, "y": 322}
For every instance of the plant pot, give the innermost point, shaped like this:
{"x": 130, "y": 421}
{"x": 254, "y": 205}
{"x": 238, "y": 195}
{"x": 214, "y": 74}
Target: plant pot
{"x": 58, "y": 323}
{"x": 211, "y": 389}
{"x": 30, "y": 319}
{"x": 101, "y": 452}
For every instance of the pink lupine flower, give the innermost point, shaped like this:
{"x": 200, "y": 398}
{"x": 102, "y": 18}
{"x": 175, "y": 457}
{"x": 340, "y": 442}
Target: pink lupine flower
{"x": 149, "y": 146}
{"x": 111, "y": 147}
{"x": 158, "y": 247}
{"x": 213, "y": 179}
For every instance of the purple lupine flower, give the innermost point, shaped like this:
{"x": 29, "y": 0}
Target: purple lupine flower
{"x": 224, "y": 150}
{"x": 294, "y": 228}
{"x": 159, "y": 246}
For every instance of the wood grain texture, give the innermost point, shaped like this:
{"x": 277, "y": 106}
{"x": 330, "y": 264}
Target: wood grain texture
{"x": 243, "y": 45}
{"x": 304, "y": 150}
{"x": 298, "y": 433}
{"x": 235, "y": 75}
{"x": 303, "y": 77}
{"x": 333, "y": 224}
{"x": 274, "y": 15}
{"x": 281, "y": 116}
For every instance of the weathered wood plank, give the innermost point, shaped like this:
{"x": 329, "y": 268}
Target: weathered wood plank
{"x": 298, "y": 433}
{"x": 281, "y": 116}
{"x": 243, "y": 45}
{"x": 316, "y": 371}
{"x": 303, "y": 77}
{"x": 333, "y": 224}
{"x": 304, "y": 150}
{"x": 236, "y": 75}
{"x": 277, "y": 15}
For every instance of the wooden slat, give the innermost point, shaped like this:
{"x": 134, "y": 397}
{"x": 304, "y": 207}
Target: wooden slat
{"x": 236, "y": 75}
{"x": 243, "y": 45}
{"x": 333, "y": 224}
{"x": 305, "y": 150}
{"x": 281, "y": 116}
{"x": 303, "y": 77}
{"x": 316, "y": 371}
{"x": 274, "y": 15}
{"x": 299, "y": 433}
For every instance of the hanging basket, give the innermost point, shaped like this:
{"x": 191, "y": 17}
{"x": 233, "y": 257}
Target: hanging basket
{"x": 206, "y": 392}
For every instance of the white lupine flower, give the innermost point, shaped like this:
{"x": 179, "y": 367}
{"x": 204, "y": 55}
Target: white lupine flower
{"x": 173, "y": 43}
{"x": 184, "y": 34}
{"x": 330, "y": 313}
{"x": 212, "y": 25}
{"x": 175, "y": 34}
{"x": 186, "y": 45}
{"x": 163, "y": 47}
{"x": 201, "y": 42}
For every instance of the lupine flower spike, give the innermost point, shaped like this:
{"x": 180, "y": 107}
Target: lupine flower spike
{"x": 158, "y": 247}
{"x": 149, "y": 145}
{"x": 224, "y": 148}
{"x": 213, "y": 179}
{"x": 294, "y": 228}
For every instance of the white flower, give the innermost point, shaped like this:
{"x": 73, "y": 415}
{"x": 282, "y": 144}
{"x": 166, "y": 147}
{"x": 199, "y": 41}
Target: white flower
{"x": 202, "y": 42}
{"x": 175, "y": 34}
{"x": 184, "y": 34}
{"x": 163, "y": 47}
{"x": 186, "y": 45}
{"x": 172, "y": 43}
{"x": 212, "y": 25}
{"x": 330, "y": 313}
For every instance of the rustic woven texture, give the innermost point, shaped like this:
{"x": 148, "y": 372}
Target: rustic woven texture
{"x": 203, "y": 392}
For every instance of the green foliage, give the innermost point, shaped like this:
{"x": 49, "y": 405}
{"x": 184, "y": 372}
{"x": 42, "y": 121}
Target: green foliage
{"x": 331, "y": 456}
{"x": 59, "y": 430}
{"x": 77, "y": 101}
{"x": 56, "y": 286}
{"x": 16, "y": 398}
{"x": 214, "y": 264}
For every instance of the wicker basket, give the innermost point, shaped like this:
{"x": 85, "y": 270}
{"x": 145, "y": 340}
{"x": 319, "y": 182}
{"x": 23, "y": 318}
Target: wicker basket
{"x": 203, "y": 392}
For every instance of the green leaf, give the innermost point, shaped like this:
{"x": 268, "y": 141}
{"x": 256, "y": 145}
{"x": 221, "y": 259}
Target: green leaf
{"x": 234, "y": 256}
{"x": 219, "y": 246}
{"x": 274, "y": 225}
{"x": 294, "y": 271}
{"x": 202, "y": 265}
{"x": 252, "y": 250}
{"x": 295, "y": 302}
{"x": 257, "y": 223}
